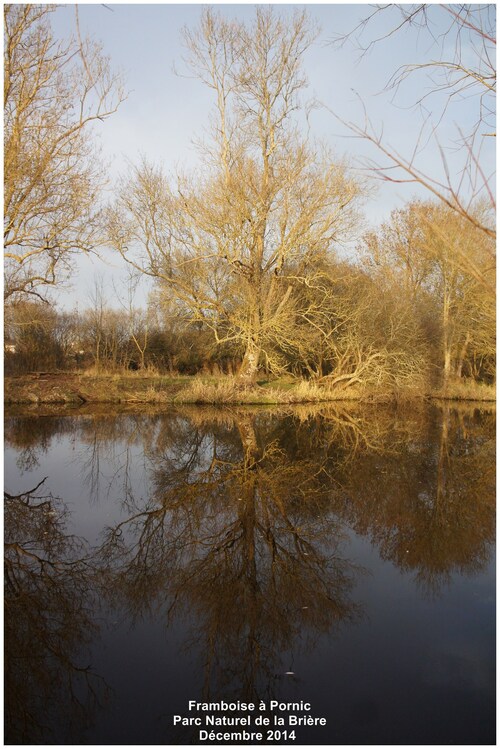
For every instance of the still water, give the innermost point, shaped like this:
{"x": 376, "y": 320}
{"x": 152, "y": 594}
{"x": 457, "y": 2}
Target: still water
{"x": 341, "y": 557}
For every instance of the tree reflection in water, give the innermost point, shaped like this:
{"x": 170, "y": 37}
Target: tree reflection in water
{"x": 242, "y": 531}
{"x": 429, "y": 506}
{"x": 31, "y": 437}
{"x": 48, "y": 621}
{"x": 240, "y": 538}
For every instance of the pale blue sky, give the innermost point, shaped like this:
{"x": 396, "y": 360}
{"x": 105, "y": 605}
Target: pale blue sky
{"x": 164, "y": 112}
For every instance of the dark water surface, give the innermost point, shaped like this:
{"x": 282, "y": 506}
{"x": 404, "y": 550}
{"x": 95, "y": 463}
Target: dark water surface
{"x": 342, "y": 557}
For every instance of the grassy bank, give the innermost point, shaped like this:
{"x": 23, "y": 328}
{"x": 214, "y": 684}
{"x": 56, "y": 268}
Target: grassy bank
{"x": 465, "y": 390}
{"x": 77, "y": 389}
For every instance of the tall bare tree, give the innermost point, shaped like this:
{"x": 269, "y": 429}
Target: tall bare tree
{"x": 444, "y": 264}
{"x": 53, "y": 93}
{"x": 231, "y": 241}
{"x": 467, "y": 305}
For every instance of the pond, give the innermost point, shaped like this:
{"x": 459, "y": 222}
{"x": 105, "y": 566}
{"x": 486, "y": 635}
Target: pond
{"x": 320, "y": 575}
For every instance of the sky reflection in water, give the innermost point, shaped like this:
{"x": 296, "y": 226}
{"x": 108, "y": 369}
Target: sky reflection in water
{"x": 202, "y": 554}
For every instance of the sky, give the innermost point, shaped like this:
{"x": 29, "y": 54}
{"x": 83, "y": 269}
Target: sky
{"x": 164, "y": 111}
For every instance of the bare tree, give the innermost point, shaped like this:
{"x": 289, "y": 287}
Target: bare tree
{"x": 230, "y": 242}
{"x": 105, "y": 330}
{"x": 356, "y": 332}
{"x": 462, "y": 42}
{"x": 53, "y": 93}
{"x": 138, "y": 320}
{"x": 467, "y": 306}
{"x": 421, "y": 250}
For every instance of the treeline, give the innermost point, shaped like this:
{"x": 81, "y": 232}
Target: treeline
{"x": 41, "y": 338}
{"x": 414, "y": 308}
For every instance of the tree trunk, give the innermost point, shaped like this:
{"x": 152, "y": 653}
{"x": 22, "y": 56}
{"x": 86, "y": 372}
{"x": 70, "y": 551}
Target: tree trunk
{"x": 442, "y": 461}
{"x": 246, "y": 429}
{"x": 446, "y": 366}
{"x": 446, "y": 341}
{"x": 462, "y": 355}
{"x": 250, "y": 364}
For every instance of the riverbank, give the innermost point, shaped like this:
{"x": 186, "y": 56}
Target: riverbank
{"x": 78, "y": 389}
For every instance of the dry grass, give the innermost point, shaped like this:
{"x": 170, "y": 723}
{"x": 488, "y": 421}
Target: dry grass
{"x": 310, "y": 392}
{"x": 226, "y": 391}
{"x": 466, "y": 390}
{"x": 151, "y": 395}
{"x": 133, "y": 389}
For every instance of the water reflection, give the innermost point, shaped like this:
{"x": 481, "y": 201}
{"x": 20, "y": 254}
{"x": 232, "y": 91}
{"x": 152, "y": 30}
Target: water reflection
{"x": 48, "y": 621}
{"x": 239, "y": 537}
{"x": 31, "y": 437}
{"x": 236, "y": 522}
{"x": 430, "y": 507}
